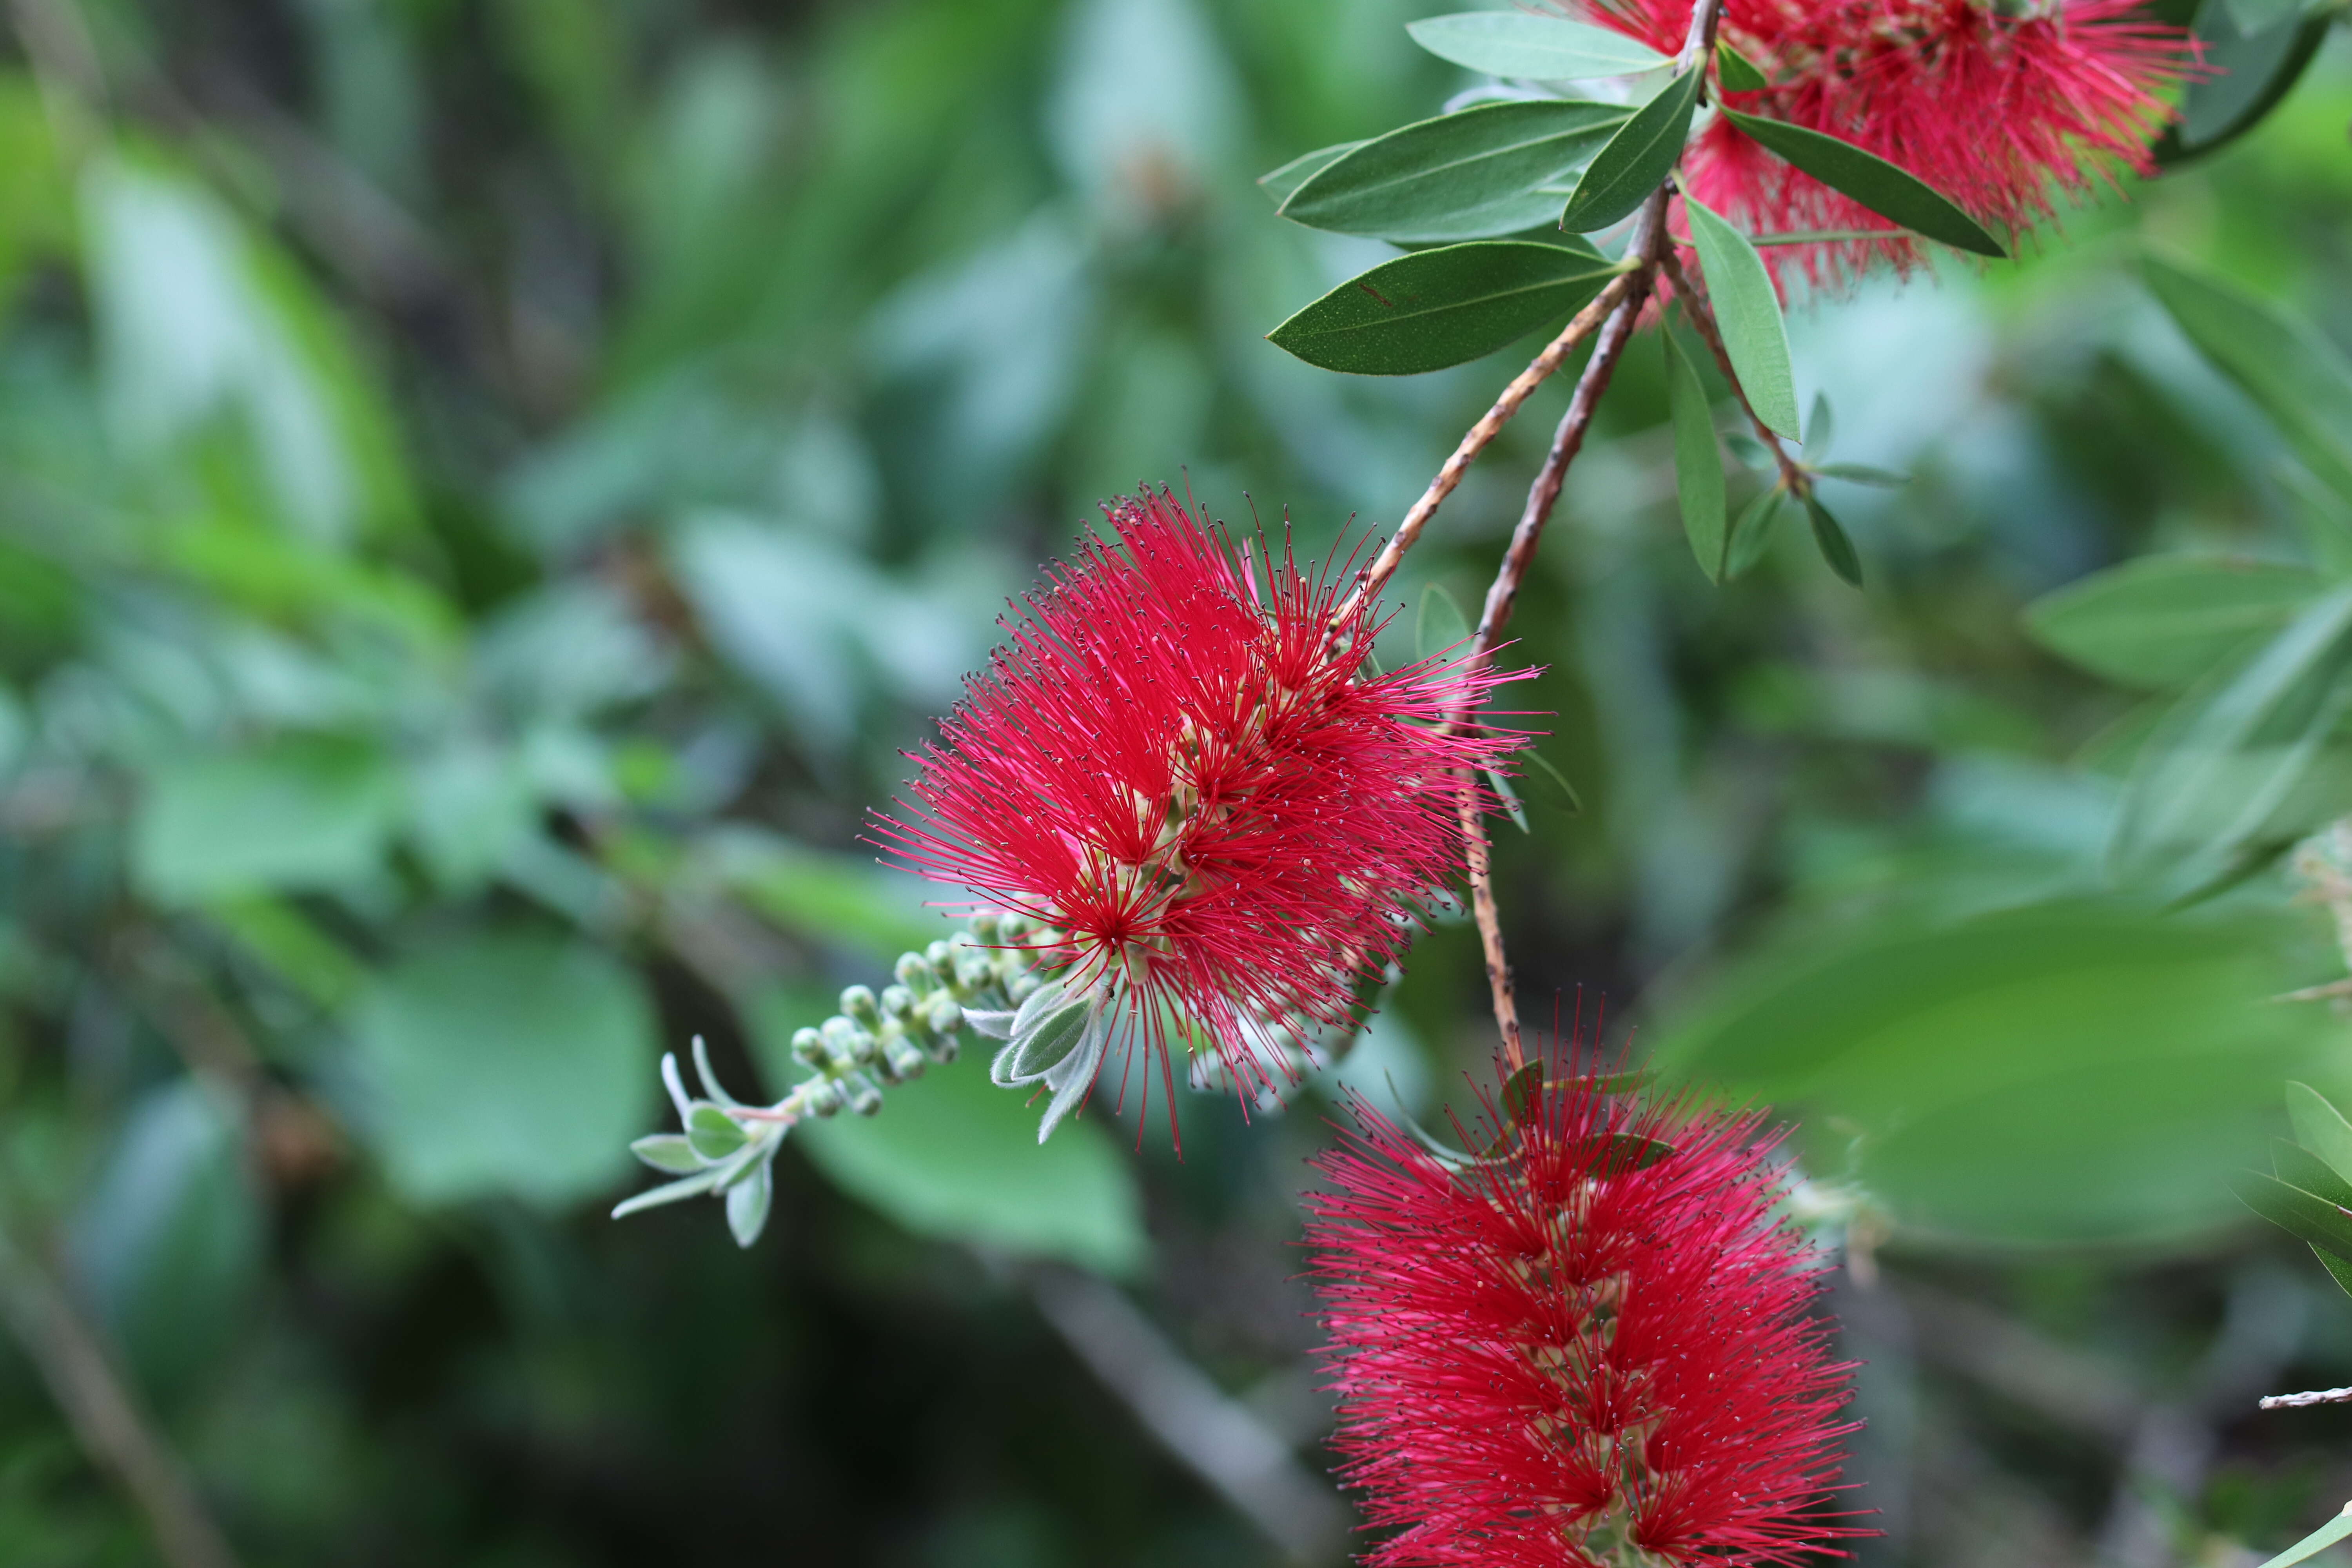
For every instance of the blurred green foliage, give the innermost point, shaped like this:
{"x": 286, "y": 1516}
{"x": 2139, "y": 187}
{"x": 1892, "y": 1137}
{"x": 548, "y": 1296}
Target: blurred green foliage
{"x": 487, "y": 487}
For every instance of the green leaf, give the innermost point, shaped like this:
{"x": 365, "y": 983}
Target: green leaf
{"x": 1752, "y": 534}
{"x": 1836, "y": 548}
{"x": 1637, "y": 159}
{"x": 712, "y": 1133}
{"x": 1541, "y": 48}
{"x": 748, "y": 1203}
{"x": 1509, "y": 798}
{"x": 1053, "y": 1035}
{"x": 685, "y": 1187}
{"x": 1748, "y": 313}
{"x": 1821, "y": 428}
{"x": 954, "y": 1158}
{"x": 2327, "y": 1534}
{"x": 1736, "y": 71}
{"x": 1522, "y": 1092}
{"x": 2305, "y": 1216}
{"x": 2299, "y": 1167}
{"x": 670, "y": 1151}
{"x": 2320, "y": 1128}
{"x": 299, "y": 811}
{"x": 2225, "y": 773}
{"x": 2337, "y": 1269}
{"x": 1279, "y": 183}
{"x": 2282, "y": 362}
{"x": 1698, "y": 461}
{"x": 2248, "y": 75}
{"x": 1894, "y": 194}
{"x": 1443, "y": 307}
{"x": 2159, "y": 623}
{"x": 503, "y": 1062}
{"x": 1568, "y": 794}
{"x": 1863, "y": 473}
{"x": 1475, "y": 175}
{"x": 1441, "y": 625}
{"x": 1955, "y": 1057}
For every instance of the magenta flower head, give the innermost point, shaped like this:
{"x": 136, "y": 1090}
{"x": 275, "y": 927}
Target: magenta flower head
{"x": 1184, "y": 767}
{"x": 1591, "y": 1350}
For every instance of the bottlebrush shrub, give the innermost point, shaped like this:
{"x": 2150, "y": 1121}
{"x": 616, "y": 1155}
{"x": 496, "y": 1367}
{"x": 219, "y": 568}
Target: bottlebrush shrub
{"x": 1184, "y": 764}
{"x": 2002, "y": 108}
{"x": 1590, "y": 1346}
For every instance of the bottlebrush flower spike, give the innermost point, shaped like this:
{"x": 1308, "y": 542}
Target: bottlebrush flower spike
{"x": 2002, "y": 107}
{"x": 1187, "y": 771}
{"x": 1592, "y": 1349}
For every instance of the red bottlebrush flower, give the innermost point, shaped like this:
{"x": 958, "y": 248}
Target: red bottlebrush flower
{"x": 1564, "y": 1356}
{"x": 1189, "y": 770}
{"x": 2001, "y": 108}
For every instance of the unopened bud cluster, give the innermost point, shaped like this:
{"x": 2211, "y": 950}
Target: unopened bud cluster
{"x": 873, "y": 1042}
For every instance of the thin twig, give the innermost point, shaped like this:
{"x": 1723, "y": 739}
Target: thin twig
{"x": 1376, "y": 574}
{"x": 1793, "y": 476}
{"x": 1216, "y": 1436}
{"x": 105, "y": 1414}
{"x": 1480, "y": 853}
{"x": 2299, "y": 1401}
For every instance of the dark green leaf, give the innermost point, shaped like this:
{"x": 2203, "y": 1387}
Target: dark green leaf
{"x": 2299, "y": 1167}
{"x": 1748, "y": 314}
{"x": 2337, "y": 1269}
{"x": 2159, "y": 623}
{"x": 1542, "y": 48}
{"x": 1443, "y": 307}
{"x": 1441, "y": 625}
{"x": 1568, "y": 794}
{"x": 1734, "y": 70}
{"x": 1752, "y": 534}
{"x": 2305, "y": 1216}
{"x": 1279, "y": 183}
{"x": 2282, "y": 363}
{"x": 1836, "y": 548}
{"x": 1698, "y": 462}
{"x": 1637, "y": 159}
{"x": 1522, "y": 1092}
{"x": 1892, "y": 193}
{"x": 2320, "y": 1128}
{"x": 2249, "y": 74}
{"x": 1471, "y": 175}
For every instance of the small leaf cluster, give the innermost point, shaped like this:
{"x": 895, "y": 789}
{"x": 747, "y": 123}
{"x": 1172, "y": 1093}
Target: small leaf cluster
{"x": 2309, "y": 1194}
{"x": 726, "y": 1149}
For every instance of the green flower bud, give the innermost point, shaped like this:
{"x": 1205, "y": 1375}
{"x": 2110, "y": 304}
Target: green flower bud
{"x": 858, "y": 1003}
{"x": 917, "y": 974}
{"x": 808, "y": 1047}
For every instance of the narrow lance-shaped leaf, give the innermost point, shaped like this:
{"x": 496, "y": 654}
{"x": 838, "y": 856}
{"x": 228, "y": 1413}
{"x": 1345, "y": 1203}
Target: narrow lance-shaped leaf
{"x": 1637, "y": 159}
{"x": 1752, "y": 534}
{"x": 1441, "y": 624}
{"x": 1443, "y": 307}
{"x": 2320, "y": 1127}
{"x": 1478, "y": 175}
{"x": 1748, "y": 314}
{"x": 1279, "y": 183}
{"x": 2317, "y": 1542}
{"x": 1836, "y": 547}
{"x": 1737, "y": 71}
{"x": 1894, "y": 194}
{"x": 1698, "y": 462}
{"x": 1543, "y": 49}
{"x": 2305, "y": 1216}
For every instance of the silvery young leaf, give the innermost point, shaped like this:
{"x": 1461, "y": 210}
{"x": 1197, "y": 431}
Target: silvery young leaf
{"x": 748, "y": 1204}
{"x": 1051, "y": 1038}
{"x": 1540, "y": 48}
{"x": 1736, "y": 71}
{"x": 1035, "y": 1006}
{"x": 1748, "y": 313}
{"x": 668, "y": 1193}
{"x": 2327, "y": 1534}
{"x": 1637, "y": 159}
{"x": 2284, "y": 364}
{"x": 2299, "y": 1167}
{"x": 1863, "y": 473}
{"x": 2248, "y": 73}
{"x": 1476, "y": 174}
{"x": 1075, "y": 1074}
{"x": 1894, "y": 194}
{"x": 1443, "y": 307}
{"x": 1752, "y": 534}
{"x": 713, "y": 1134}
{"x": 994, "y": 1024}
{"x": 702, "y": 1070}
{"x": 667, "y": 1152}
{"x": 1441, "y": 625}
{"x": 1698, "y": 462}
{"x": 2320, "y": 1128}
{"x": 2305, "y": 1216}
{"x": 1279, "y": 183}
{"x": 1835, "y": 547}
